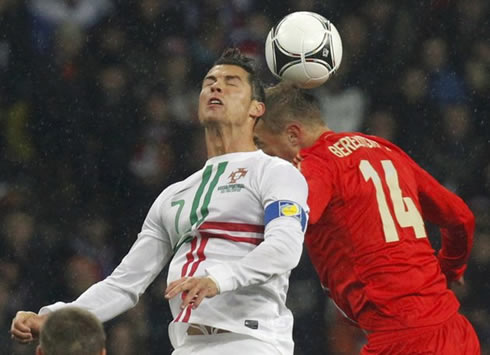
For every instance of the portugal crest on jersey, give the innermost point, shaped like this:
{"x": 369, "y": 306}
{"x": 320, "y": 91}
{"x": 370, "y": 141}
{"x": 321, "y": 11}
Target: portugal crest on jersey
{"x": 237, "y": 174}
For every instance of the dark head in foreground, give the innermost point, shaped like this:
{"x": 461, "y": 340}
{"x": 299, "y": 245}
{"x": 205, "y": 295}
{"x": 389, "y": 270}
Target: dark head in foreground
{"x": 72, "y": 331}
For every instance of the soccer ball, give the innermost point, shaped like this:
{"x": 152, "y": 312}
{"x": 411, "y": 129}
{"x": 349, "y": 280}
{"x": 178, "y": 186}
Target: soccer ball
{"x": 305, "y": 48}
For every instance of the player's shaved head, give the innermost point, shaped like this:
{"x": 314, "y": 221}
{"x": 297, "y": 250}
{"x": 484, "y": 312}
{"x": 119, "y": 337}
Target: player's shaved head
{"x": 286, "y": 103}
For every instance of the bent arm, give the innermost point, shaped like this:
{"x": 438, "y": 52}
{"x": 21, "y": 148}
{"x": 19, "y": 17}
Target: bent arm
{"x": 455, "y": 220}
{"x": 281, "y": 249}
{"x": 277, "y": 254}
{"x": 122, "y": 289}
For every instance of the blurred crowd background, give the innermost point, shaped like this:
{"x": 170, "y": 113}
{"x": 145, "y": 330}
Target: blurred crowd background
{"x": 98, "y": 106}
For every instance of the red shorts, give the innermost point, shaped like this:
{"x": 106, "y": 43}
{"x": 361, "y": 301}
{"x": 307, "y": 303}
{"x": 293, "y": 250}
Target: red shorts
{"x": 455, "y": 336}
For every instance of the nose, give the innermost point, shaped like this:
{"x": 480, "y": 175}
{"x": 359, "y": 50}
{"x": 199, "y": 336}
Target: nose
{"x": 216, "y": 87}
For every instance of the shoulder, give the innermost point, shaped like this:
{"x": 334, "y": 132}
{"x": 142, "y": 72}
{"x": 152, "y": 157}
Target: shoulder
{"x": 281, "y": 181}
{"x": 178, "y": 186}
{"x": 270, "y": 160}
{"x": 378, "y": 140}
{"x": 273, "y": 164}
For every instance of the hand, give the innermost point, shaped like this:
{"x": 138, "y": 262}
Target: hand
{"x": 459, "y": 283}
{"x": 26, "y": 326}
{"x": 194, "y": 288}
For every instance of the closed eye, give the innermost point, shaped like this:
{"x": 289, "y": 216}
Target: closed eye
{"x": 233, "y": 80}
{"x": 208, "y": 82}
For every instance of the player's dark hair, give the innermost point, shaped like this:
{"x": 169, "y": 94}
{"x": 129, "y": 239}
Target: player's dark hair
{"x": 285, "y": 102}
{"x": 233, "y": 56}
{"x": 72, "y": 331}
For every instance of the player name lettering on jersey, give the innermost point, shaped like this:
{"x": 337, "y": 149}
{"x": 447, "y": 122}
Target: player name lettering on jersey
{"x": 346, "y": 145}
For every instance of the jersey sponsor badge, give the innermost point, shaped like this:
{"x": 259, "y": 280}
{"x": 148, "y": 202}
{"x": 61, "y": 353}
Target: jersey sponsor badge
{"x": 284, "y": 208}
{"x": 289, "y": 210}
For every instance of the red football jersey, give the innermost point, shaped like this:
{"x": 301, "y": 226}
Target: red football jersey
{"x": 368, "y": 202}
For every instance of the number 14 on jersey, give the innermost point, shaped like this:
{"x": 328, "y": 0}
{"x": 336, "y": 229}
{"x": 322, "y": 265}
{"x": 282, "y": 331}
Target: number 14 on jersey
{"x": 406, "y": 213}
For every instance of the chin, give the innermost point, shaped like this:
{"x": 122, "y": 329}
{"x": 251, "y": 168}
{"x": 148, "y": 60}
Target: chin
{"x": 210, "y": 119}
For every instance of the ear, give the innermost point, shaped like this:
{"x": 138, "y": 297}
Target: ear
{"x": 257, "y": 109}
{"x": 294, "y": 133}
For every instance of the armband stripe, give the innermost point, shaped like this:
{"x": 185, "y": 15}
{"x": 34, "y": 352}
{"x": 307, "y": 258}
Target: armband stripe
{"x": 283, "y": 208}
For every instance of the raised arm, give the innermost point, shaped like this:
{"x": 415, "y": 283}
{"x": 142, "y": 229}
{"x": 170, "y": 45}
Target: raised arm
{"x": 118, "y": 292}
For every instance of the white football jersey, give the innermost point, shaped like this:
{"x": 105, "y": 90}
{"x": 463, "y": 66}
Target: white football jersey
{"x": 240, "y": 220}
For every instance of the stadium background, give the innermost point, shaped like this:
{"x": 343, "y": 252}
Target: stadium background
{"x": 98, "y": 115}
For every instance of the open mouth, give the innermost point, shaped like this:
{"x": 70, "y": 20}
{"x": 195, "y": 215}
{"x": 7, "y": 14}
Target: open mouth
{"x": 215, "y": 101}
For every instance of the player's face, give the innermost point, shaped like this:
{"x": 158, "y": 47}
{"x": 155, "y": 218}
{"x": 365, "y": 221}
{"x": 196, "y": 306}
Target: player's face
{"x": 272, "y": 143}
{"x": 226, "y": 96}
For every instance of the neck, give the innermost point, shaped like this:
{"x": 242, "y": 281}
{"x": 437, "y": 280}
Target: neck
{"x": 223, "y": 139}
{"x": 312, "y": 135}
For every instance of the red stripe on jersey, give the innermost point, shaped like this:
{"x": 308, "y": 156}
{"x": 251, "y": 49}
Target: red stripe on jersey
{"x": 178, "y": 316}
{"x": 200, "y": 255}
{"x": 187, "y": 314}
{"x": 233, "y": 238}
{"x": 233, "y": 227}
{"x": 190, "y": 257}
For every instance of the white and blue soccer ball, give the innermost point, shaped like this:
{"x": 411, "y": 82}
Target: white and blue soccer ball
{"x": 305, "y": 48}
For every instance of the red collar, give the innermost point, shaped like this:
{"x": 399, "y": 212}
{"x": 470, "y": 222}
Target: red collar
{"x": 323, "y": 137}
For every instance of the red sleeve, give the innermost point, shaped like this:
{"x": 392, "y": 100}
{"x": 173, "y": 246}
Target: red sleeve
{"x": 454, "y": 218}
{"x": 319, "y": 179}
{"x": 456, "y": 222}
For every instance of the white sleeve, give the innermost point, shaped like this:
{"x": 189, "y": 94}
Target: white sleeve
{"x": 283, "y": 236}
{"x": 121, "y": 290}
